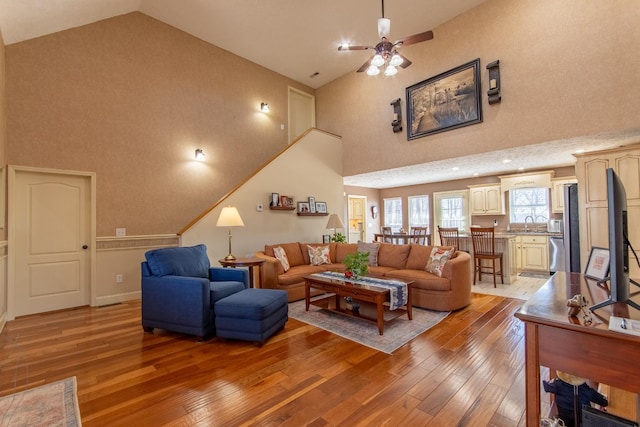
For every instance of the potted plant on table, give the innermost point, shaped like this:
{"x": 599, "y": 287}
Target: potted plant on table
{"x": 339, "y": 238}
{"x": 357, "y": 264}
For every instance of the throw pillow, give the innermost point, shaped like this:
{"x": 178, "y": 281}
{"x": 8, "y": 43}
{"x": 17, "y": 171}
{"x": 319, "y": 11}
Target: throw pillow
{"x": 281, "y": 255}
{"x": 373, "y": 249}
{"x": 319, "y": 255}
{"x": 439, "y": 256}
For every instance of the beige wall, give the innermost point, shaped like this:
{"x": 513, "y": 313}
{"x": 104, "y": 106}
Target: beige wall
{"x": 131, "y": 98}
{"x": 568, "y": 68}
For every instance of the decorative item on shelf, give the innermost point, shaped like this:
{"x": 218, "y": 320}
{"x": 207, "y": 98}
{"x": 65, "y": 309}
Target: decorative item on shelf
{"x": 312, "y": 204}
{"x": 303, "y": 207}
{"x": 334, "y": 223}
{"x": 321, "y": 207}
{"x": 494, "y": 82}
{"x": 229, "y": 217}
{"x": 286, "y": 201}
{"x": 357, "y": 264}
{"x": 396, "y": 124}
{"x": 275, "y": 200}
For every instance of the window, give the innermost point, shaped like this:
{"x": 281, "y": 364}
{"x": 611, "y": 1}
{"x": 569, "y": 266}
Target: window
{"x": 393, "y": 213}
{"x": 418, "y": 211}
{"x": 529, "y": 204}
{"x": 451, "y": 209}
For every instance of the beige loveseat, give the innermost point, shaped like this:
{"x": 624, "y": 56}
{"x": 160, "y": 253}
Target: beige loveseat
{"x": 451, "y": 291}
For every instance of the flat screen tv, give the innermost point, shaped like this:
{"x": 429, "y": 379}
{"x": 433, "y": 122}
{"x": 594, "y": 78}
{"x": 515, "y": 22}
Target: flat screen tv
{"x": 618, "y": 244}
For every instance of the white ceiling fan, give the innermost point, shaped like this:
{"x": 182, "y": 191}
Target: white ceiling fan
{"x": 386, "y": 56}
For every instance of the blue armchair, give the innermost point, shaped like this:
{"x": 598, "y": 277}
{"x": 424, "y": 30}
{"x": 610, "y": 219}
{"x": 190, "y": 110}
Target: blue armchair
{"x": 180, "y": 288}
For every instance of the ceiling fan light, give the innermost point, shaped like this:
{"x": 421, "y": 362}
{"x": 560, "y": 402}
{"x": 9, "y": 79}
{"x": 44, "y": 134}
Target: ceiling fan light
{"x": 384, "y": 26}
{"x": 377, "y": 60}
{"x": 390, "y": 71}
{"x": 373, "y": 70}
{"x": 396, "y": 60}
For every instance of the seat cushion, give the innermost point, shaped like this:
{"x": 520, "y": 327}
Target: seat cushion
{"x": 255, "y": 304}
{"x": 190, "y": 261}
{"x": 223, "y": 289}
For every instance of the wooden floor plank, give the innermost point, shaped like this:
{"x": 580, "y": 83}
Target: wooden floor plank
{"x": 467, "y": 370}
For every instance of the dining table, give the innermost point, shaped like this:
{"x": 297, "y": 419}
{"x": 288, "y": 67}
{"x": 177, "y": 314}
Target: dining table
{"x": 403, "y": 238}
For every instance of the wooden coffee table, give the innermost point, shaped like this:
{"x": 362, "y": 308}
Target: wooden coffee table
{"x": 372, "y": 299}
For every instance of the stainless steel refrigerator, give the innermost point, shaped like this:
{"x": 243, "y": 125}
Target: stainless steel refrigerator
{"x": 571, "y": 238}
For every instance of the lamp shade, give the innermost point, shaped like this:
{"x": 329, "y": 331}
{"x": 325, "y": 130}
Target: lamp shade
{"x": 229, "y": 217}
{"x": 334, "y": 222}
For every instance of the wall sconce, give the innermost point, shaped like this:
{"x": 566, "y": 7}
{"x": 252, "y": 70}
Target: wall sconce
{"x": 199, "y": 154}
{"x": 494, "y": 82}
{"x": 264, "y": 107}
{"x": 396, "y": 124}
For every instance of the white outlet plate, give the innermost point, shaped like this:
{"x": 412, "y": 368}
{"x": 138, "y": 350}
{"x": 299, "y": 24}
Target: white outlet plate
{"x": 119, "y": 278}
{"x": 259, "y": 207}
{"x": 121, "y": 232}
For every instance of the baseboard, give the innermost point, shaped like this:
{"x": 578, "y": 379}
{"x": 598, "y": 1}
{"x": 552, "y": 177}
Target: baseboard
{"x": 117, "y": 298}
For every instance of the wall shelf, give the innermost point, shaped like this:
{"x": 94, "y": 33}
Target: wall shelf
{"x": 313, "y": 214}
{"x": 282, "y": 208}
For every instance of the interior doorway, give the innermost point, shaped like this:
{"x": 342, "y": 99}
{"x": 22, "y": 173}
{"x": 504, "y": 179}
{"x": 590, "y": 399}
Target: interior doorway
{"x": 302, "y": 112}
{"x": 51, "y": 240}
{"x": 357, "y": 219}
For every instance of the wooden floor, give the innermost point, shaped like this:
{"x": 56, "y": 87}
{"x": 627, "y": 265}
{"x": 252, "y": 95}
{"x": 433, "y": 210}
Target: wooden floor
{"x": 466, "y": 371}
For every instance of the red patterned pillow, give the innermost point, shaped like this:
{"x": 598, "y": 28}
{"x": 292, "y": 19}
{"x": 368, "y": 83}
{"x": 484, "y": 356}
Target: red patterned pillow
{"x": 439, "y": 256}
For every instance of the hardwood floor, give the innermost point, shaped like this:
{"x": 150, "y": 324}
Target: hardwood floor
{"x": 466, "y": 371}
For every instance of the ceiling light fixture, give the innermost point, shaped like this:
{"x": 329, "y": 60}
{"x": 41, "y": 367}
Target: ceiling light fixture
{"x": 264, "y": 107}
{"x": 199, "y": 154}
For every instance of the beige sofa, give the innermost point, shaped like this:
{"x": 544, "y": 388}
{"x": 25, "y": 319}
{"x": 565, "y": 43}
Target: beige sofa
{"x": 451, "y": 291}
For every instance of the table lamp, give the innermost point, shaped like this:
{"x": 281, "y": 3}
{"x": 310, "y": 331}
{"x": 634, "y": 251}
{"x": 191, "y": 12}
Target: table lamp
{"x": 334, "y": 223}
{"x": 229, "y": 217}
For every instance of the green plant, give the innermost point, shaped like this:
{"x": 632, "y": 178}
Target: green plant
{"x": 339, "y": 238}
{"x": 357, "y": 263}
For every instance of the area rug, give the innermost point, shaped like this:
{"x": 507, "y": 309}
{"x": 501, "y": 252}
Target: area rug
{"x": 397, "y": 332}
{"x": 54, "y": 404}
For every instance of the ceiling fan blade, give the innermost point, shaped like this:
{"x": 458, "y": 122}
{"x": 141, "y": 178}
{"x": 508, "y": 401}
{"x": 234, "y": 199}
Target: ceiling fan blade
{"x": 416, "y": 38}
{"x": 405, "y": 61}
{"x": 343, "y": 47}
{"x": 364, "y": 66}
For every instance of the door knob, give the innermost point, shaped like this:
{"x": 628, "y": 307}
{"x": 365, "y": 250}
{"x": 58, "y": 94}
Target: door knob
{"x": 85, "y": 247}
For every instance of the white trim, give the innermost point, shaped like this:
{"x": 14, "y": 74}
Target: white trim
{"x": 117, "y": 298}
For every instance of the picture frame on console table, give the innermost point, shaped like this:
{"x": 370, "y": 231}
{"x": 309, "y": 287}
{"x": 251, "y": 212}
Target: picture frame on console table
{"x": 598, "y": 264}
{"x": 444, "y": 102}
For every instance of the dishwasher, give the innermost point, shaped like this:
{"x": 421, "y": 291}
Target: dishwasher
{"x": 556, "y": 254}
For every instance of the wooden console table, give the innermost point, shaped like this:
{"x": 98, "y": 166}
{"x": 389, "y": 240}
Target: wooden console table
{"x": 557, "y": 341}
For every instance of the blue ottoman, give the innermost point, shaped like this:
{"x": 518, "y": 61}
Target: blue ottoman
{"x": 251, "y": 314}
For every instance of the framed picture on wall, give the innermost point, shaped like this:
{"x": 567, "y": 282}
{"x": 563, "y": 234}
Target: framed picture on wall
{"x": 312, "y": 204}
{"x": 303, "y": 207}
{"x": 447, "y": 101}
{"x": 286, "y": 201}
{"x": 321, "y": 207}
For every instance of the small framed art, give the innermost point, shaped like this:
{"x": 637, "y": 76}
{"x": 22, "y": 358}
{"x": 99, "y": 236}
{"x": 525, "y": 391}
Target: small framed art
{"x": 303, "y": 207}
{"x": 286, "y": 201}
{"x": 321, "y": 207}
{"x": 326, "y": 238}
{"x": 598, "y": 264}
{"x": 275, "y": 199}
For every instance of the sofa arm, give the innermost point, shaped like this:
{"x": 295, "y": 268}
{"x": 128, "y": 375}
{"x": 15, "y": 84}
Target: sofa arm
{"x": 219, "y": 274}
{"x": 269, "y": 271}
{"x": 176, "y": 300}
{"x": 458, "y": 270}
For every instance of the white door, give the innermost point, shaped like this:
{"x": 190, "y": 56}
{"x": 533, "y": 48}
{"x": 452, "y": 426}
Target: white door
{"x": 50, "y": 237}
{"x": 302, "y": 113}
{"x": 357, "y": 219}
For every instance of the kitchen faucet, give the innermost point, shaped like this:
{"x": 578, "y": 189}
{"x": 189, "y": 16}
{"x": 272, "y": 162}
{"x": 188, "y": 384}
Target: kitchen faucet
{"x": 526, "y": 226}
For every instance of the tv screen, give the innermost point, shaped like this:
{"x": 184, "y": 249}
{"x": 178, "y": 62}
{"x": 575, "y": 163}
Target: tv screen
{"x": 618, "y": 243}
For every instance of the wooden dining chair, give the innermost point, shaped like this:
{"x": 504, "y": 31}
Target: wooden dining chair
{"x": 387, "y": 234}
{"x": 449, "y": 236}
{"x": 483, "y": 239}
{"x": 418, "y": 235}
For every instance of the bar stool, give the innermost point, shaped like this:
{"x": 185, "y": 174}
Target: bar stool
{"x": 449, "y": 237}
{"x": 484, "y": 248}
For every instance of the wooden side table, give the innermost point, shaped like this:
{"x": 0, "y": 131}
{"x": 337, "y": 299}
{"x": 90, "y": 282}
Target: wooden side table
{"x": 246, "y": 262}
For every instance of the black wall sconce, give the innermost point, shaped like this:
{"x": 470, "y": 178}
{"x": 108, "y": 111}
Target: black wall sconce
{"x": 396, "y": 124}
{"x": 494, "y": 82}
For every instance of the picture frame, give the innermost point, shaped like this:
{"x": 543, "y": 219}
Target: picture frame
{"x": 598, "y": 264}
{"x": 286, "y": 201}
{"x": 303, "y": 207}
{"x": 321, "y": 207}
{"x": 444, "y": 102}
{"x": 326, "y": 238}
{"x": 275, "y": 199}
{"x": 312, "y": 204}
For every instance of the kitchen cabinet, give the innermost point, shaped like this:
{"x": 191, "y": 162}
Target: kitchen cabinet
{"x": 356, "y": 208}
{"x": 557, "y": 192}
{"x": 592, "y": 197}
{"x": 486, "y": 200}
{"x": 534, "y": 253}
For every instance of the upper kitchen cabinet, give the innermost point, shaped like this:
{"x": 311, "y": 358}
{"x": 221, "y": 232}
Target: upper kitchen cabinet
{"x": 486, "y": 199}
{"x": 557, "y": 192}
